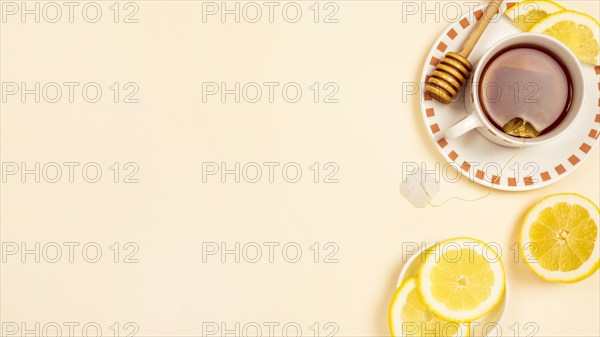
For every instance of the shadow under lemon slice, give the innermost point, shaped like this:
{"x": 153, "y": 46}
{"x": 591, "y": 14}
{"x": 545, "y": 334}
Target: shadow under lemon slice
{"x": 408, "y": 315}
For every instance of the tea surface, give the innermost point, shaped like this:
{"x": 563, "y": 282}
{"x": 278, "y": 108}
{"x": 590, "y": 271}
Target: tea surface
{"x": 525, "y": 91}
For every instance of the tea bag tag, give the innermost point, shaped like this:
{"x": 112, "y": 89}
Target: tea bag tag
{"x": 419, "y": 188}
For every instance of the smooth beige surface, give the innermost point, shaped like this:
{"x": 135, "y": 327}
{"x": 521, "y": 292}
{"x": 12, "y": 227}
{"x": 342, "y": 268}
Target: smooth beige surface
{"x": 170, "y": 133}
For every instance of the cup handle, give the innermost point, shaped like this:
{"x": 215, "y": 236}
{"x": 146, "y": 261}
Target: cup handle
{"x": 468, "y": 123}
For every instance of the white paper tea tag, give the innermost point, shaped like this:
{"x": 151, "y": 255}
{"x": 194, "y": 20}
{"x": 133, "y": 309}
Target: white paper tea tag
{"x": 419, "y": 188}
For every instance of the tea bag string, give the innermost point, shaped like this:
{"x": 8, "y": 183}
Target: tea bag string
{"x": 490, "y": 188}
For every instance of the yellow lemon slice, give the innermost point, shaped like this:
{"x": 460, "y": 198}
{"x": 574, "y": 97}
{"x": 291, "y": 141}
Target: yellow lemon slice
{"x": 461, "y": 279}
{"x": 560, "y": 238}
{"x": 580, "y": 32}
{"x": 525, "y": 14}
{"x": 408, "y": 316}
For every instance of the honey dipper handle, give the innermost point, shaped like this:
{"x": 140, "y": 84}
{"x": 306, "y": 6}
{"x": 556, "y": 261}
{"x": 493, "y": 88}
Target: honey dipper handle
{"x": 490, "y": 11}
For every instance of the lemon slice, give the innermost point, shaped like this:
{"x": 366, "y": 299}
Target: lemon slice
{"x": 408, "y": 316}
{"x": 559, "y": 238}
{"x": 461, "y": 279}
{"x": 525, "y": 14}
{"x": 580, "y": 32}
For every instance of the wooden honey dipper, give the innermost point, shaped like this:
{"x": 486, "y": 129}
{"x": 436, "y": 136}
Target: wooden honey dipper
{"x": 453, "y": 70}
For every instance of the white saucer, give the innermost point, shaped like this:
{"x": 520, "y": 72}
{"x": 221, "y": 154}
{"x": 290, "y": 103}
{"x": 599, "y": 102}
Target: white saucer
{"x": 480, "y": 159}
{"x": 488, "y": 325}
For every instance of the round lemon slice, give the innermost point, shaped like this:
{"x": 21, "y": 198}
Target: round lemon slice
{"x": 461, "y": 279}
{"x": 578, "y": 31}
{"x": 408, "y": 316}
{"x": 560, "y": 240}
{"x": 527, "y": 13}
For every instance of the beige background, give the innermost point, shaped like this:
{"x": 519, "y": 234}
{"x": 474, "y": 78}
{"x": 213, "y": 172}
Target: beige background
{"x": 169, "y": 53}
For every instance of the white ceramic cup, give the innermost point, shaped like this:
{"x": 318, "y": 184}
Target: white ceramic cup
{"x": 477, "y": 119}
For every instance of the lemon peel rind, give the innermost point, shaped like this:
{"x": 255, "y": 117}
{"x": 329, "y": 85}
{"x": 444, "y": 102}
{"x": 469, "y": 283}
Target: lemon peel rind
{"x": 551, "y": 16}
{"x": 391, "y": 306}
